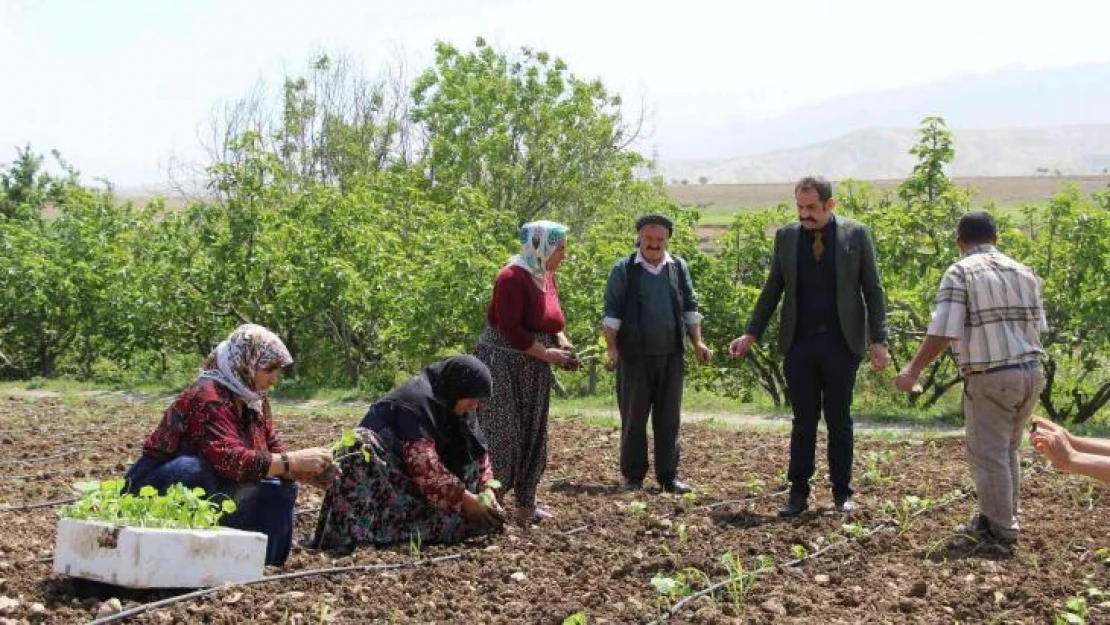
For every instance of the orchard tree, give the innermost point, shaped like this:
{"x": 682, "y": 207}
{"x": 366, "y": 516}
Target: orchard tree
{"x": 915, "y": 240}
{"x": 728, "y": 290}
{"x": 1067, "y": 243}
{"x": 534, "y": 138}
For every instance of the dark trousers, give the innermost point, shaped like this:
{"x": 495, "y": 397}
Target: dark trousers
{"x": 820, "y": 374}
{"x": 265, "y": 506}
{"x": 650, "y": 386}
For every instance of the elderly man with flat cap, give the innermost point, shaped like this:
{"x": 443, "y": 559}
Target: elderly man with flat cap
{"x": 650, "y": 308}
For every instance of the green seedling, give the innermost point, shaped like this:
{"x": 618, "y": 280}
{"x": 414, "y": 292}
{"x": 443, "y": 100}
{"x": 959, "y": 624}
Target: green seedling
{"x": 854, "y": 530}
{"x": 668, "y": 588}
{"x": 415, "y": 545}
{"x": 694, "y": 573}
{"x": 741, "y": 581}
{"x": 591, "y": 353}
{"x": 682, "y": 535}
{"x": 1085, "y": 497}
{"x": 578, "y": 618}
{"x": 755, "y": 487}
{"x": 904, "y": 512}
{"x": 487, "y": 497}
{"x": 799, "y": 552}
{"x": 875, "y": 473}
{"x": 689, "y": 500}
{"x": 349, "y": 445}
{"x": 1077, "y": 612}
{"x": 179, "y": 508}
{"x": 638, "y": 508}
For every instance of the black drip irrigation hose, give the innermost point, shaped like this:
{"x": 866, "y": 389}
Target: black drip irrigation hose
{"x": 798, "y": 561}
{"x": 718, "y": 504}
{"x": 334, "y": 570}
{"x": 41, "y": 504}
{"x": 41, "y": 458}
{"x": 60, "y": 472}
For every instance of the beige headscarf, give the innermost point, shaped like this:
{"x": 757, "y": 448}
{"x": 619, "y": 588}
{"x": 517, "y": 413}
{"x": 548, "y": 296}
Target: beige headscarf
{"x": 249, "y": 349}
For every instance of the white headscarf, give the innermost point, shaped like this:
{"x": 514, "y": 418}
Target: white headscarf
{"x": 538, "y": 241}
{"x": 248, "y": 349}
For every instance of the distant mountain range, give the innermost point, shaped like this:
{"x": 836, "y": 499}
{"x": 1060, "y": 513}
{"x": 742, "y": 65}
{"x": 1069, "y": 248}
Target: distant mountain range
{"x": 1011, "y": 122}
{"x": 881, "y": 153}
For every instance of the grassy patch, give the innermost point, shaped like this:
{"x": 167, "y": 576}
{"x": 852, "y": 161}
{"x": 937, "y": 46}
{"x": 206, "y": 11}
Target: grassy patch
{"x": 713, "y": 411}
{"x": 692, "y": 401}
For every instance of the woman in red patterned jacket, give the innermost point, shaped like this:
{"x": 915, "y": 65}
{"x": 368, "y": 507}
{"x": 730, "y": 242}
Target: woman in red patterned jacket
{"x": 219, "y": 435}
{"x": 418, "y": 468}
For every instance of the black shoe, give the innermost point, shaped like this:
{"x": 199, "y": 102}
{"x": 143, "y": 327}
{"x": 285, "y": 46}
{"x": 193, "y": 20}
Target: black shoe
{"x": 796, "y": 505}
{"x": 979, "y": 530}
{"x": 632, "y": 485}
{"x": 677, "y": 487}
{"x": 845, "y": 504}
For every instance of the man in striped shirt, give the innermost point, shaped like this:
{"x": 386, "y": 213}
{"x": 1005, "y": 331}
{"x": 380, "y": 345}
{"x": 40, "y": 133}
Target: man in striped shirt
{"x": 989, "y": 308}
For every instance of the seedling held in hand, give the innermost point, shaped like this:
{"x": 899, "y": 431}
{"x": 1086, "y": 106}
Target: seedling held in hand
{"x": 487, "y": 497}
{"x": 348, "y": 442}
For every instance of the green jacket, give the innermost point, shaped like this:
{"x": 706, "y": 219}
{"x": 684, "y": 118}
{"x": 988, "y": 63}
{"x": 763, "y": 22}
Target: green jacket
{"x": 860, "y": 301}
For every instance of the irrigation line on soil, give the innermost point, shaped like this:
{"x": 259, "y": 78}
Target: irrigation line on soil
{"x": 60, "y": 472}
{"x": 41, "y": 504}
{"x": 718, "y": 504}
{"x": 744, "y": 500}
{"x": 154, "y": 605}
{"x": 41, "y": 458}
{"x": 796, "y": 562}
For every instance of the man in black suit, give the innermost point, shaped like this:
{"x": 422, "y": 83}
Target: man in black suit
{"x": 833, "y": 310}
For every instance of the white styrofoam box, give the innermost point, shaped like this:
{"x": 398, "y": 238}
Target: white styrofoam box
{"x": 144, "y": 557}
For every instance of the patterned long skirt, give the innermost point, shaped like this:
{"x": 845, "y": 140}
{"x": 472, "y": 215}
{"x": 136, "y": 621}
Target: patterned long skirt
{"x": 514, "y": 418}
{"x": 377, "y": 502}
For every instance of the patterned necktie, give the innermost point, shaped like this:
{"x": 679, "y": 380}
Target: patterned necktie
{"x": 818, "y": 245}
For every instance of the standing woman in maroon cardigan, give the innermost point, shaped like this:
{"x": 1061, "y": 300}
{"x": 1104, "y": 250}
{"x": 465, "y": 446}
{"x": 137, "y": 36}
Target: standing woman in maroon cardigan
{"x": 524, "y": 338}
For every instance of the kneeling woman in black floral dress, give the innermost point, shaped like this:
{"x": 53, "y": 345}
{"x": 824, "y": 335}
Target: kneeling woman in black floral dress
{"x": 426, "y": 466}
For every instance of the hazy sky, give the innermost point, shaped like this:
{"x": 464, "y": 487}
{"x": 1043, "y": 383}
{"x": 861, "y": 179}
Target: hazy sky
{"x": 120, "y": 86}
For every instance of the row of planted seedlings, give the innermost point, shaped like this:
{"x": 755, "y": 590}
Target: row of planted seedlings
{"x": 731, "y": 576}
{"x": 734, "y": 576}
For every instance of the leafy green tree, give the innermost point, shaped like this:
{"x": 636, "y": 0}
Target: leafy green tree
{"x": 729, "y": 289}
{"x": 66, "y": 286}
{"x": 915, "y": 239}
{"x": 1067, "y": 243}
{"x": 25, "y": 189}
{"x": 533, "y": 138}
